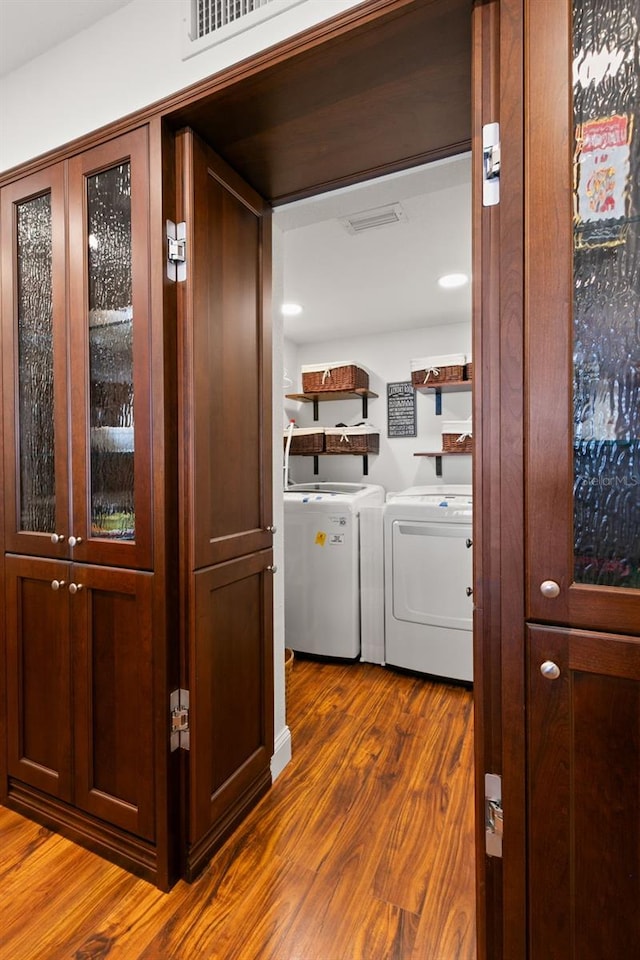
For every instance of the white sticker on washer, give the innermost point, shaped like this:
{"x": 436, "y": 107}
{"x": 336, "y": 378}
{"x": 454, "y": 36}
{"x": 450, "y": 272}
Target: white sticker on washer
{"x": 336, "y": 539}
{"x": 339, "y": 521}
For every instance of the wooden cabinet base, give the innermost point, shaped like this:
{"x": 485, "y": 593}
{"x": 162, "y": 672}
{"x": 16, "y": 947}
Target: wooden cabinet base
{"x": 202, "y": 851}
{"x": 138, "y": 856}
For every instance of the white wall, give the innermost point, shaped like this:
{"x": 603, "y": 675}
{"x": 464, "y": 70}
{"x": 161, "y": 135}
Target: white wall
{"x": 282, "y": 753}
{"x": 121, "y": 64}
{"x": 387, "y": 356}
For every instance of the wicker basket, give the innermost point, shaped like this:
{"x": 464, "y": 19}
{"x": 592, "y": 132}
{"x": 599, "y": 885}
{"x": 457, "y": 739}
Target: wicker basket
{"x": 469, "y": 371}
{"x": 326, "y": 377}
{"x": 351, "y": 440}
{"x": 430, "y": 371}
{"x": 457, "y": 436}
{"x": 305, "y": 441}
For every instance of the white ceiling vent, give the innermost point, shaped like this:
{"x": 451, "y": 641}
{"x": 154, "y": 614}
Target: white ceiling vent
{"x": 377, "y": 217}
{"x": 214, "y": 14}
{"x": 211, "y": 21}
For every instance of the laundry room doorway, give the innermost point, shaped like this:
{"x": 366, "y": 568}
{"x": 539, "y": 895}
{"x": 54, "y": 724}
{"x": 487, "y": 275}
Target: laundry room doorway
{"x": 356, "y": 283}
{"x": 334, "y": 108}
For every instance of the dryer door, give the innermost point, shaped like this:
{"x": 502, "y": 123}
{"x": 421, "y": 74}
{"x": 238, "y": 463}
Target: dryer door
{"x": 432, "y": 568}
{"x": 428, "y": 610}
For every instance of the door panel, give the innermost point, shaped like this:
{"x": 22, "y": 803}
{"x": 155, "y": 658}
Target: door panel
{"x": 113, "y": 712}
{"x": 227, "y": 358}
{"x": 232, "y": 696}
{"x": 110, "y": 352}
{"x": 584, "y": 792}
{"x": 583, "y": 277}
{"x": 38, "y": 674}
{"x": 34, "y": 363}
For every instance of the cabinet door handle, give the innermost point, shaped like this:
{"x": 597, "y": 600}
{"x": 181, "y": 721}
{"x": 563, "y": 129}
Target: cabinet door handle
{"x": 75, "y": 541}
{"x": 272, "y": 568}
{"x": 57, "y": 537}
{"x": 550, "y": 670}
{"x": 56, "y": 584}
{"x": 271, "y": 528}
{"x": 75, "y": 587}
{"x": 550, "y": 589}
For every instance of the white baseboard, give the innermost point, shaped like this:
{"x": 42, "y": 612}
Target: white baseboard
{"x": 282, "y": 753}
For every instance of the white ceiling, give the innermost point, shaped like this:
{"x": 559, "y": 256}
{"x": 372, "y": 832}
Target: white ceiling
{"x": 387, "y": 277}
{"x": 30, "y": 27}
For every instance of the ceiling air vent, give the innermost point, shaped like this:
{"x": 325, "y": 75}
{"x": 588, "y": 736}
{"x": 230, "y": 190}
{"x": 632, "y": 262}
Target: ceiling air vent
{"x": 209, "y": 22}
{"x": 378, "y": 217}
{"x": 212, "y": 15}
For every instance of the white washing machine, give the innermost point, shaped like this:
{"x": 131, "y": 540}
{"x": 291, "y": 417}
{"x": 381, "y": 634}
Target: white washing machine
{"x": 428, "y": 577}
{"x": 322, "y": 566}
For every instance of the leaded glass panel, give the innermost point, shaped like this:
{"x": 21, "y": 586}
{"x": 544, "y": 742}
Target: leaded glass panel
{"x": 35, "y": 366}
{"x": 606, "y": 301}
{"x": 111, "y": 354}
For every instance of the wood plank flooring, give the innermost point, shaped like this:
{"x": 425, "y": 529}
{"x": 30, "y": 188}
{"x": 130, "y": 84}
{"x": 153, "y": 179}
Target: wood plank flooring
{"x": 362, "y": 850}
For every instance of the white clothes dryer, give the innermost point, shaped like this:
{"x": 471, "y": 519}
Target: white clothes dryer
{"x": 428, "y": 578}
{"x": 322, "y": 566}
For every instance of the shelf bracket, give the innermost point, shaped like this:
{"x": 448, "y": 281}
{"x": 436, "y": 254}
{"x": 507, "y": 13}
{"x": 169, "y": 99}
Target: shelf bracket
{"x": 316, "y": 409}
{"x": 438, "y": 399}
{"x": 365, "y": 409}
{"x": 438, "y": 466}
{"x": 365, "y": 464}
{"x": 316, "y": 465}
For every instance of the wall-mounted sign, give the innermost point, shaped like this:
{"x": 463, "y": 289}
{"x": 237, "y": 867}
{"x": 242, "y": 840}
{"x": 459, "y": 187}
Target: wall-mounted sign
{"x": 401, "y": 409}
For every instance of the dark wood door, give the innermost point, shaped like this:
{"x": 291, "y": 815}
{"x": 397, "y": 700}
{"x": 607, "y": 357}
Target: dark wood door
{"x": 111, "y": 622}
{"x": 582, "y": 276}
{"x": 39, "y": 658}
{"x": 34, "y": 361}
{"x": 231, "y": 698}
{"x": 79, "y": 687}
{"x": 226, "y": 484}
{"x": 227, "y": 359}
{"x": 584, "y": 794}
{"x": 110, "y": 350}
{"x": 582, "y": 478}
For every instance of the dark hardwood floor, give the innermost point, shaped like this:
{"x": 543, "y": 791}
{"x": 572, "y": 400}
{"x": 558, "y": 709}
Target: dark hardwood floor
{"x": 362, "y": 850}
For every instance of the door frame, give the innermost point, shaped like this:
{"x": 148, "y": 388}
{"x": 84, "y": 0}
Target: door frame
{"x": 499, "y": 582}
{"x": 498, "y": 51}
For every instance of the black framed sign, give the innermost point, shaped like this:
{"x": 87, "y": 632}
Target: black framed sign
{"x": 401, "y": 409}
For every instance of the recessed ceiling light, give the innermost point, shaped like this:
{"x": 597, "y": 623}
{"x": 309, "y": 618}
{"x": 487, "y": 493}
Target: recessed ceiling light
{"x": 290, "y": 309}
{"x": 451, "y": 280}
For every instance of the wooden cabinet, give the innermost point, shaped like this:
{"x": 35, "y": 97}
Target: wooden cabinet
{"x": 137, "y": 532}
{"x": 583, "y": 793}
{"x": 81, "y": 698}
{"x": 79, "y": 687}
{"x": 76, "y": 360}
{"x": 582, "y": 277}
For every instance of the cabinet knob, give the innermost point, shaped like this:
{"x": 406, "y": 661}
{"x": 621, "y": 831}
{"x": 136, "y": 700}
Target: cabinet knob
{"x": 272, "y": 568}
{"x": 550, "y": 670}
{"x": 549, "y": 589}
{"x": 57, "y": 537}
{"x": 75, "y": 587}
{"x": 469, "y": 591}
{"x": 75, "y": 541}
{"x": 56, "y": 584}
{"x": 271, "y": 528}
{"x": 469, "y": 543}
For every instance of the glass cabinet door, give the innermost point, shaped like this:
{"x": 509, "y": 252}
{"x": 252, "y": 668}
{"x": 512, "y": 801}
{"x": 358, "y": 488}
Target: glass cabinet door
{"x": 583, "y": 315}
{"x": 108, "y": 237}
{"x": 34, "y": 363}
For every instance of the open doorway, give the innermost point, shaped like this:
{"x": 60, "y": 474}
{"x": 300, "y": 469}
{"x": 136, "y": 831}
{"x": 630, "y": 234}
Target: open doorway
{"x": 371, "y": 296}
